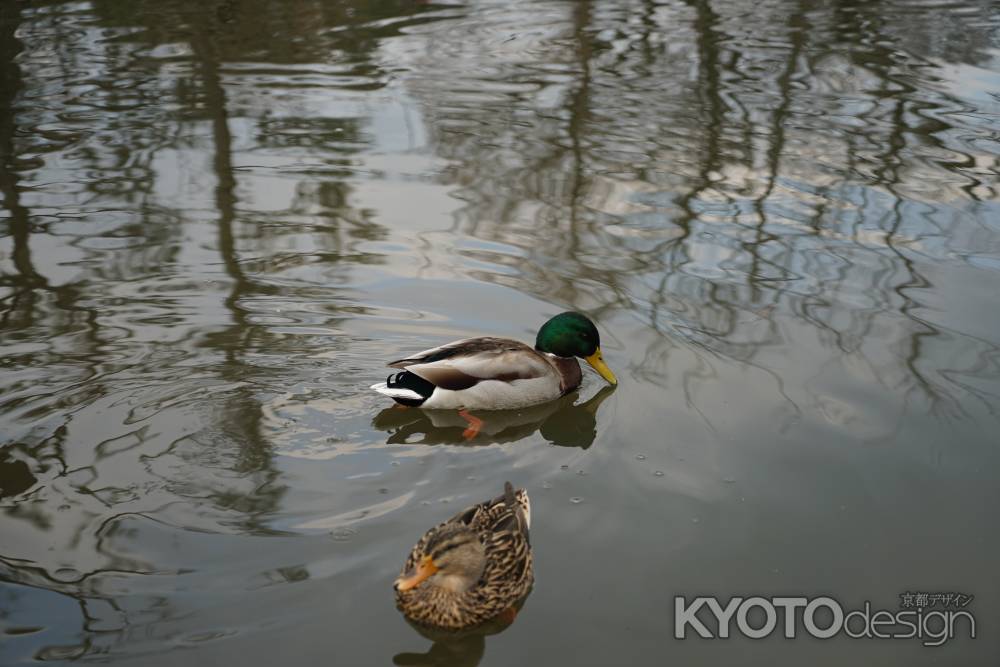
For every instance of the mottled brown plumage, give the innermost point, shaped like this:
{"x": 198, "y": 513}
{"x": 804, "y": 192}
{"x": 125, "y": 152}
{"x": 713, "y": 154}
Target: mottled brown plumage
{"x": 482, "y": 565}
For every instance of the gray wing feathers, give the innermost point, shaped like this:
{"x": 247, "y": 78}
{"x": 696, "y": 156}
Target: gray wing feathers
{"x": 465, "y": 363}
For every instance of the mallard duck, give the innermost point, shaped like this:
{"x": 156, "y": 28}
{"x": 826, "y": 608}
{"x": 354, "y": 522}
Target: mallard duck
{"x": 499, "y": 373}
{"x": 471, "y": 568}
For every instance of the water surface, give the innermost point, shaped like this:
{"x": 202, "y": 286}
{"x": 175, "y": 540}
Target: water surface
{"x": 221, "y": 218}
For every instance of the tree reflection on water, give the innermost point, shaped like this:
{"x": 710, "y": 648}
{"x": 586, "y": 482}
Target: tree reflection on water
{"x": 210, "y": 205}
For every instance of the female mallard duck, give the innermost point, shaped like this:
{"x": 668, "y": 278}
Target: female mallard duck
{"x": 471, "y": 568}
{"x": 499, "y": 373}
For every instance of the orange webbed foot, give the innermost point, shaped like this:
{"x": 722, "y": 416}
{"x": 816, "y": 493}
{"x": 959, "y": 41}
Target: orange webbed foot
{"x": 475, "y": 423}
{"x": 507, "y": 616}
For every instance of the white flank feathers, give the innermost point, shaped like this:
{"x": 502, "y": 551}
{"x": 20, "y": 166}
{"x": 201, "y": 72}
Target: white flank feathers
{"x": 522, "y": 497}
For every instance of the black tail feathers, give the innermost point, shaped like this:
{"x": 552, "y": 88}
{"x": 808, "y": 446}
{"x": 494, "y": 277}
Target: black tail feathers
{"x": 413, "y": 382}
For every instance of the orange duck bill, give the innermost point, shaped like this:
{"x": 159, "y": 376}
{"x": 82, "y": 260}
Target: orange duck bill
{"x": 425, "y": 569}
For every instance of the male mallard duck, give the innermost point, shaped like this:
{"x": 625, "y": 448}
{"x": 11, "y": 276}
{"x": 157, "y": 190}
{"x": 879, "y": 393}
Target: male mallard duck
{"x": 471, "y": 568}
{"x": 499, "y": 373}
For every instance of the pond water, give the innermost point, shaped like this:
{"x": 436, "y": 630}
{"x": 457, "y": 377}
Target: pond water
{"x": 222, "y": 218}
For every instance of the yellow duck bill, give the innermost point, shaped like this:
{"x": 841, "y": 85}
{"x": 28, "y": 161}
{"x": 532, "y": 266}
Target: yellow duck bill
{"x": 596, "y": 361}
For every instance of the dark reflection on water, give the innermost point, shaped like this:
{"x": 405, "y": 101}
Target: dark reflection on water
{"x": 458, "y": 649}
{"x": 15, "y": 475}
{"x": 562, "y": 422}
{"x": 465, "y": 652}
{"x": 463, "y": 649}
{"x": 220, "y": 218}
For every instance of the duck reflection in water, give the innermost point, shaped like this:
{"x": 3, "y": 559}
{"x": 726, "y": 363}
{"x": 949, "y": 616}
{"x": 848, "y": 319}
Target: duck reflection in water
{"x": 465, "y": 649}
{"x": 562, "y": 422}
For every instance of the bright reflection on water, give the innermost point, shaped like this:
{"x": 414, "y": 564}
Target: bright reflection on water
{"x": 222, "y": 217}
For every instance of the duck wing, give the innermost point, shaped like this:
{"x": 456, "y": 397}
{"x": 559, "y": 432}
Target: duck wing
{"x": 509, "y": 512}
{"x": 467, "y": 362}
{"x": 508, "y": 574}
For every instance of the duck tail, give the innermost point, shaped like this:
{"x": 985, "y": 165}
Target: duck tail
{"x": 405, "y": 388}
{"x": 518, "y": 501}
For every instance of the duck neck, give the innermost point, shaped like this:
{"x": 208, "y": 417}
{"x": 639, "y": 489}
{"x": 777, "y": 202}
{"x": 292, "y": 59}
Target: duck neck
{"x": 569, "y": 372}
